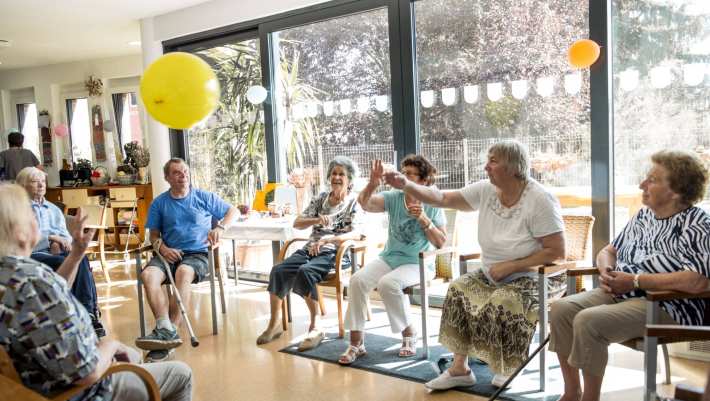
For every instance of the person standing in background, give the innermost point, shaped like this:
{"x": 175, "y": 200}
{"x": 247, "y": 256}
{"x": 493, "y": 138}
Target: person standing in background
{"x": 16, "y": 158}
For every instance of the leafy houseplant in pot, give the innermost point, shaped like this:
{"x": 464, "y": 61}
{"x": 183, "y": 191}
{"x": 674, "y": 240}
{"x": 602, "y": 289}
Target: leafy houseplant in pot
{"x": 139, "y": 158}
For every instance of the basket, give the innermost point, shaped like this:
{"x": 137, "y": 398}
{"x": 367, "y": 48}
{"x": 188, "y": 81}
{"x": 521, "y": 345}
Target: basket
{"x": 125, "y": 179}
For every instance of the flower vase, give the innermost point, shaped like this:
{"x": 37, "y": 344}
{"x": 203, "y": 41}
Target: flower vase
{"x": 142, "y": 175}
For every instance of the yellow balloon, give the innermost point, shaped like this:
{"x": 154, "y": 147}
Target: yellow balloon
{"x": 179, "y": 90}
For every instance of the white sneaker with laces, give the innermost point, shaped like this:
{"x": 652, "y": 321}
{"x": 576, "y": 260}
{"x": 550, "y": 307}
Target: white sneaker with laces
{"x": 499, "y": 380}
{"x": 446, "y": 381}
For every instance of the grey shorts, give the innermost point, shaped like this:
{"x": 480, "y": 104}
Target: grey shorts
{"x": 198, "y": 261}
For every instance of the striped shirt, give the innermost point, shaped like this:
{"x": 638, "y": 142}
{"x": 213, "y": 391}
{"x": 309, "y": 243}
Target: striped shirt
{"x": 677, "y": 243}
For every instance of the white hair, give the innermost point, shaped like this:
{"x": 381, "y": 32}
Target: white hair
{"x": 28, "y": 174}
{"x": 15, "y": 213}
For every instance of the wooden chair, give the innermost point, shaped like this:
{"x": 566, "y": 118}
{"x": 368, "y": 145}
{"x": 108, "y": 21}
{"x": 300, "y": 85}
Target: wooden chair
{"x": 11, "y": 387}
{"x": 215, "y": 270}
{"x": 97, "y": 220}
{"x": 338, "y": 278}
{"x": 649, "y": 343}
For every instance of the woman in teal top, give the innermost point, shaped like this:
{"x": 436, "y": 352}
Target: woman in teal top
{"x": 413, "y": 227}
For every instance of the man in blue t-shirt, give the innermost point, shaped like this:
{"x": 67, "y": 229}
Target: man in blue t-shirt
{"x": 181, "y": 218}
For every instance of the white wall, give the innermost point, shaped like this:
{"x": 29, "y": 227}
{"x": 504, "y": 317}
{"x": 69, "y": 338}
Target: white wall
{"x": 53, "y": 83}
{"x": 219, "y": 13}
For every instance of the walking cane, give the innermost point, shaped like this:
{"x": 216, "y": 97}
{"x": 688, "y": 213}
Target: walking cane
{"x": 193, "y": 339}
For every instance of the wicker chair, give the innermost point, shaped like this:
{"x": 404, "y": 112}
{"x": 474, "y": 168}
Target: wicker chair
{"x": 11, "y": 387}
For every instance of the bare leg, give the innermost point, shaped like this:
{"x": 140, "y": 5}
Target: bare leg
{"x": 184, "y": 275}
{"x": 592, "y": 387}
{"x": 460, "y": 365}
{"x": 152, "y": 279}
{"x": 356, "y": 337}
{"x": 573, "y": 389}
{"x": 408, "y": 331}
{"x": 313, "y": 309}
{"x": 275, "y": 319}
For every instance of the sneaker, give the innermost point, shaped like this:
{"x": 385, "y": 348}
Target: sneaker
{"x": 159, "y": 355}
{"x": 445, "y": 381}
{"x": 499, "y": 380}
{"x": 98, "y": 327}
{"x": 159, "y": 339}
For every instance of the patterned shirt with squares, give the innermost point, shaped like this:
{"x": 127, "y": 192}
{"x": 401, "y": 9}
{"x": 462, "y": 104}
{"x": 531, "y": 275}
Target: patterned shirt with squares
{"x": 46, "y": 331}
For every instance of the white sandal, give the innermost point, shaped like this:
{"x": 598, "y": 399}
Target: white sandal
{"x": 409, "y": 346}
{"x": 351, "y": 354}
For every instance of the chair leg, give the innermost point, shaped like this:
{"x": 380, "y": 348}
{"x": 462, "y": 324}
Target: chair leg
{"x": 339, "y": 297}
{"x": 667, "y": 363}
{"x": 321, "y": 303}
{"x": 213, "y": 297}
{"x": 218, "y": 268}
{"x": 139, "y": 287}
{"x": 102, "y": 254}
{"x": 284, "y": 313}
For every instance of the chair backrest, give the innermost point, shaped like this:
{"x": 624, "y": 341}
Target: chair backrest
{"x": 74, "y": 198}
{"x": 7, "y": 368}
{"x": 578, "y": 231}
{"x": 97, "y": 215}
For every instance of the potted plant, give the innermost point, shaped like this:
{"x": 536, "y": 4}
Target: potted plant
{"x": 139, "y": 158}
{"x": 83, "y": 169}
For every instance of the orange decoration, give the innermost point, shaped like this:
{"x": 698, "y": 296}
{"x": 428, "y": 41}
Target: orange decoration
{"x": 583, "y": 53}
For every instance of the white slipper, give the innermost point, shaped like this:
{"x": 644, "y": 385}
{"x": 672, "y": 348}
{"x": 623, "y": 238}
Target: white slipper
{"x": 499, "y": 380}
{"x": 445, "y": 381}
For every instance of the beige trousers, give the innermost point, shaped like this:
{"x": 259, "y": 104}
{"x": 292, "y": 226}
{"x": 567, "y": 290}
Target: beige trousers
{"x": 174, "y": 380}
{"x": 583, "y": 325}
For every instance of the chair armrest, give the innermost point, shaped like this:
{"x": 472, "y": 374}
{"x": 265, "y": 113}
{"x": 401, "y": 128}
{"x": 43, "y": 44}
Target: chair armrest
{"x": 284, "y": 248}
{"x": 470, "y": 256}
{"x": 582, "y": 271}
{"x": 12, "y": 390}
{"x": 692, "y": 333}
{"x": 427, "y": 254}
{"x": 554, "y": 268}
{"x": 147, "y": 379}
{"x": 652, "y": 295}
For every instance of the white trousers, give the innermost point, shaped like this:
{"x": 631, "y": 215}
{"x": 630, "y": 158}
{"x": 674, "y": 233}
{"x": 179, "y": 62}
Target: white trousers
{"x": 389, "y": 283}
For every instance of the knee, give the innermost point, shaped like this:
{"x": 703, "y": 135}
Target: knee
{"x": 587, "y": 322}
{"x": 184, "y": 275}
{"x": 560, "y": 310}
{"x": 388, "y": 286}
{"x": 357, "y": 283}
{"x": 183, "y": 374}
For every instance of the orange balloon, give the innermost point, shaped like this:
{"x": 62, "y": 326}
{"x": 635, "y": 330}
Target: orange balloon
{"x": 583, "y": 53}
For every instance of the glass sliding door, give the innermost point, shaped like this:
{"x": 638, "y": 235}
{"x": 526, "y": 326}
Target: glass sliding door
{"x": 498, "y": 70}
{"x": 333, "y": 94}
{"x": 661, "y": 89}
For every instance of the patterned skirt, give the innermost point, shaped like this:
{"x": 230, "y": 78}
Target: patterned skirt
{"x": 494, "y": 323}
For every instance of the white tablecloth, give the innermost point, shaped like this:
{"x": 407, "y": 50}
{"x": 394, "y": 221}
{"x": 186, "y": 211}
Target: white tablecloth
{"x": 266, "y": 228}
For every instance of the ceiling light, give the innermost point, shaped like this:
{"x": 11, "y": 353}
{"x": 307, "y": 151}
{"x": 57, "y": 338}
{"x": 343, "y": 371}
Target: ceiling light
{"x": 134, "y": 43}
{"x": 5, "y": 43}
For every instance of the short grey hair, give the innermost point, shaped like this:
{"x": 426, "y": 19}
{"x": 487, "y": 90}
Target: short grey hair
{"x": 348, "y": 164}
{"x": 514, "y": 155}
{"x": 15, "y": 214}
{"x": 173, "y": 160}
{"x": 27, "y": 174}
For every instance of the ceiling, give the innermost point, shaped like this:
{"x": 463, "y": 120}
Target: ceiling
{"x": 45, "y": 32}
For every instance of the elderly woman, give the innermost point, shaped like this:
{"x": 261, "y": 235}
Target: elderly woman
{"x": 491, "y": 313}
{"x": 46, "y": 332}
{"x": 666, "y": 246}
{"x": 413, "y": 227}
{"x": 55, "y": 242}
{"x": 332, "y": 215}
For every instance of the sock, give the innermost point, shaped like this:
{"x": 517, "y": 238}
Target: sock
{"x": 164, "y": 323}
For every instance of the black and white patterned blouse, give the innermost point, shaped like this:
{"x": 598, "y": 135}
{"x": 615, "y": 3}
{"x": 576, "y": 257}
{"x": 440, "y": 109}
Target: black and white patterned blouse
{"x": 342, "y": 217}
{"x": 677, "y": 243}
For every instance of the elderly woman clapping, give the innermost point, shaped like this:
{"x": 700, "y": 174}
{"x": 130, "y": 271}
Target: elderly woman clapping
{"x": 54, "y": 243}
{"x": 491, "y": 313}
{"x": 666, "y": 246}
{"x": 332, "y": 215}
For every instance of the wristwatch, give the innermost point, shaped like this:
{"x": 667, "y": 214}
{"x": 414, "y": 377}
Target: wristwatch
{"x": 219, "y": 225}
{"x": 636, "y": 281}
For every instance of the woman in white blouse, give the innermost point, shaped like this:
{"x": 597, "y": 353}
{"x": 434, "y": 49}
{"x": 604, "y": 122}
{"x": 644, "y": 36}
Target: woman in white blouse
{"x": 491, "y": 313}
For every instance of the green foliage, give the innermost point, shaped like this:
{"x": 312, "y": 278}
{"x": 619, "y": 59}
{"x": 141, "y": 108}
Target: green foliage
{"x": 504, "y": 113}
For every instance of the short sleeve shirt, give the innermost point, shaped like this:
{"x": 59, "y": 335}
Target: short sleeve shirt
{"x": 406, "y": 238}
{"x": 15, "y": 159}
{"x": 185, "y": 222}
{"x": 45, "y": 330}
{"x": 512, "y": 233}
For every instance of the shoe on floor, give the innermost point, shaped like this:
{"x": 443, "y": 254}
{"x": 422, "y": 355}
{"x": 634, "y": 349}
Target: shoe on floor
{"x": 268, "y": 336}
{"x": 311, "y": 341}
{"x": 499, "y": 380}
{"x": 445, "y": 381}
{"x": 159, "y": 355}
{"x": 351, "y": 354}
{"x": 159, "y": 339}
{"x": 98, "y": 327}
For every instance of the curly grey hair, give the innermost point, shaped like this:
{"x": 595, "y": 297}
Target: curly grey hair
{"x": 515, "y": 156}
{"x": 348, "y": 164}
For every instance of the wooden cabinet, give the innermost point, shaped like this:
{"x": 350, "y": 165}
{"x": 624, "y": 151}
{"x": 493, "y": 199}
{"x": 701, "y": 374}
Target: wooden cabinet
{"x": 117, "y": 197}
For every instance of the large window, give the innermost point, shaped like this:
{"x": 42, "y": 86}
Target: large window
{"x": 127, "y": 118}
{"x": 27, "y": 123}
{"x": 333, "y": 90}
{"x": 661, "y": 91}
{"x": 79, "y": 129}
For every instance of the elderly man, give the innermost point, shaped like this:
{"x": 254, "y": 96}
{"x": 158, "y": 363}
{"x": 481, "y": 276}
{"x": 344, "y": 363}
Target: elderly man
{"x": 181, "y": 218}
{"x": 16, "y": 158}
{"x": 55, "y": 243}
{"x": 47, "y": 334}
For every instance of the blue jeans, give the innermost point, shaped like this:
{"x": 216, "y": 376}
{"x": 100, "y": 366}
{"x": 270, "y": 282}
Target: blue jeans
{"x": 84, "y": 288}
